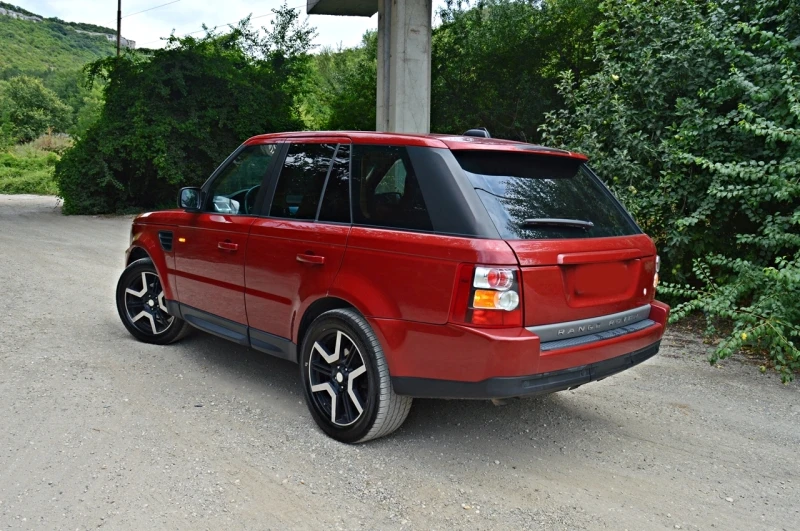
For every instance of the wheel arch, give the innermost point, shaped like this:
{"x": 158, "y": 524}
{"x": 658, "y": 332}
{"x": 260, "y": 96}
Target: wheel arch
{"x": 136, "y": 253}
{"x": 146, "y": 245}
{"x": 314, "y": 310}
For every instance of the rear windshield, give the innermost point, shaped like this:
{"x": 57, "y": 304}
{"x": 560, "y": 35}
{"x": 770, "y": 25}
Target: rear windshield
{"x": 532, "y": 196}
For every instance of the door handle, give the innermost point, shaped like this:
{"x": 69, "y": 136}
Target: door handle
{"x": 228, "y": 246}
{"x": 314, "y": 259}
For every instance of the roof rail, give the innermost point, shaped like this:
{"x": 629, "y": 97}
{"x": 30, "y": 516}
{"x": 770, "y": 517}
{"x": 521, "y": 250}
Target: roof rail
{"x": 480, "y": 131}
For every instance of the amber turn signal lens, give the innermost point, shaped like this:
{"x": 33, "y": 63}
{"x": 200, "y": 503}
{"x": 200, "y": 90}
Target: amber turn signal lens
{"x": 495, "y": 300}
{"x": 484, "y": 298}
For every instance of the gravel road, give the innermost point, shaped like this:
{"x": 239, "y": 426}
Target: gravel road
{"x": 101, "y": 431}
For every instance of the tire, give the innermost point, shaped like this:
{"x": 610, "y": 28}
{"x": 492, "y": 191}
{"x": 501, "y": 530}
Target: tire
{"x": 339, "y": 379}
{"x": 141, "y": 306}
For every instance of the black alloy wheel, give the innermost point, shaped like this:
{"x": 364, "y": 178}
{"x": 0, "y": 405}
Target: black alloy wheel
{"x": 346, "y": 379}
{"x": 142, "y": 307}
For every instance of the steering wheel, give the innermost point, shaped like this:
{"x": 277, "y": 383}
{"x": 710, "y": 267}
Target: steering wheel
{"x": 249, "y": 196}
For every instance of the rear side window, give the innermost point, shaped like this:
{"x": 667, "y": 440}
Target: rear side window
{"x": 301, "y": 180}
{"x": 385, "y": 190}
{"x": 531, "y": 196}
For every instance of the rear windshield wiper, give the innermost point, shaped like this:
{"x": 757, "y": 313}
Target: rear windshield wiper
{"x": 556, "y": 222}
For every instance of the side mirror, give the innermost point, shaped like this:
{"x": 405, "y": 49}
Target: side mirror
{"x": 190, "y": 199}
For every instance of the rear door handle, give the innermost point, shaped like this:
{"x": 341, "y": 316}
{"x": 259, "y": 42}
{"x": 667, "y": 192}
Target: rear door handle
{"x": 311, "y": 259}
{"x": 228, "y": 246}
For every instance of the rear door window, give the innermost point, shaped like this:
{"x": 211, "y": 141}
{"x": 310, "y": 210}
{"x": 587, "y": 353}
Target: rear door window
{"x": 385, "y": 190}
{"x": 530, "y": 196}
{"x": 300, "y": 183}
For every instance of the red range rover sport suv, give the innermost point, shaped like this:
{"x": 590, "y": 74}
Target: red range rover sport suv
{"x": 392, "y": 266}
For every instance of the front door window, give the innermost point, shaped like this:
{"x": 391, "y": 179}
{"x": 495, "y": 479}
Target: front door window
{"x": 234, "y": 191}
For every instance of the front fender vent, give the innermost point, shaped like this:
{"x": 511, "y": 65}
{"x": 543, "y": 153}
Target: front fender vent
{"x": 165, "y": 237}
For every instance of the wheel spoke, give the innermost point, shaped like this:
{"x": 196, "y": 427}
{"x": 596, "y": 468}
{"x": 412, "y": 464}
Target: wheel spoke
{"x": 330, "y": 358}
{"x": 352, "y": 355}
{"x": 329, "y": 389}
{"x": 161, "y": 303}
{"x": 319, "y": 367}
{"x": 136, "y": 304}
{"x": 148, "y": 316}
{"x": 350, "y": 413}
{"x": 351, "y": 392}
{"x": 141, "y": 293}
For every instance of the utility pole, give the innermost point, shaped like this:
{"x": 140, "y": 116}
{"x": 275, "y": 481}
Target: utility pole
{"x": 119, "y": 23}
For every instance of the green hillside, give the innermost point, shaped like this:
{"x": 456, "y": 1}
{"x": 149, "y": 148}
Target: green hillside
{"x": 44, "y": 49}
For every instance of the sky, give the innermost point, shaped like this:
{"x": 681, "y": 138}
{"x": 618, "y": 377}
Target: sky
{"x": 188, "y": 16}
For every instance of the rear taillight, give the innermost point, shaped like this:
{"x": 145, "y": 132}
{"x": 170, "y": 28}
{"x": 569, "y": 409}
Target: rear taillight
{"x": 658, "y": 268}
{"x": 487, "y": 296}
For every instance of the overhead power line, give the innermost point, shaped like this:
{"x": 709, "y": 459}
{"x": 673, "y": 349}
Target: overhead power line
{"x": 152, "y": 8}
{"x": 222, "y": 25}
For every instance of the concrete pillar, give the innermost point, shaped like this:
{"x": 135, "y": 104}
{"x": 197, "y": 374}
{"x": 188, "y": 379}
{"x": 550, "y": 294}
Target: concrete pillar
{"x": 404, "y": 66}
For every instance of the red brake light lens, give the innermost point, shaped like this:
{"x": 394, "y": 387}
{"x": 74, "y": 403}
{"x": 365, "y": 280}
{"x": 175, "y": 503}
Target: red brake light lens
{"x": 493, "y": 278}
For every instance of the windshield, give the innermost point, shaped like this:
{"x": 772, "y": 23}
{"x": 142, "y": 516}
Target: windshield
{"x": 531, "y": 196}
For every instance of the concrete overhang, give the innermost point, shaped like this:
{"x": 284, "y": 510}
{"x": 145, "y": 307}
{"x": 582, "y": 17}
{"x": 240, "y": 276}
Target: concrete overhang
{"x": 357, "y": 8}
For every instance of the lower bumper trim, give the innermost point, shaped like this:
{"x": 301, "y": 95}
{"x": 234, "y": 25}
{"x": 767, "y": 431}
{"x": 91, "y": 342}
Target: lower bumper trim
{"x": 535, "y": 384}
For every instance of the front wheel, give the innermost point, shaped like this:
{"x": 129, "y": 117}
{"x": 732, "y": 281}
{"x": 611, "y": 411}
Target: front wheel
{"x": 346, "y": 379}
{"x": 142, "y": 307}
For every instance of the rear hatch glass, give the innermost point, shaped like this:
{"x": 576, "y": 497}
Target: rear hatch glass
{"x": 531, "y": 196}
{"x": 601, "y": 264}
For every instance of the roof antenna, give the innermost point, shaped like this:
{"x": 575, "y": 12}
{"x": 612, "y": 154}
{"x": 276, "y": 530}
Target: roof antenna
{"x": 480, "y": 132}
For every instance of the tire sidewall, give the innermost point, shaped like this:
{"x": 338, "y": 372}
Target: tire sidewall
{"x": 320, "y": 327}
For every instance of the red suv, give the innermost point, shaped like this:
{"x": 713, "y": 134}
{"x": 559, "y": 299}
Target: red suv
{"x": 393, "y": 266}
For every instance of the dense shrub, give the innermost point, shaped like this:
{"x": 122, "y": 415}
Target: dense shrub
{"x": 171, "y": 117}
{"x": 27, "y": 169}
{"x": 694, "y": 120}
{"x": 344, "y": 89}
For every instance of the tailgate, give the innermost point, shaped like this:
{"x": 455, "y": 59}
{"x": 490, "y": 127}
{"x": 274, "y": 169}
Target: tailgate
{"x": 569, "y": 280}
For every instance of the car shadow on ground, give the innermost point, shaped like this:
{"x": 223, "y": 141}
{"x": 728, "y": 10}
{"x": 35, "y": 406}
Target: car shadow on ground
{"x": 548, "y": 420}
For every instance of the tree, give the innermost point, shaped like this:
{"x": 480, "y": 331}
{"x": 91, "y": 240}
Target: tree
{"x": 172, "y": 116}
{"x": 496, "y": 64}
{"x": 344, "y": 93}
{"x": 694, "y": 118}
{"x": 32, "y": 109}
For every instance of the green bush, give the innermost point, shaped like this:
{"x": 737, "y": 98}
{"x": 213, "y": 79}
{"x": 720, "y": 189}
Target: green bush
{"x": 27, "y": 170}
{"x": 343, "y": 95}
{"x": 761, "y": 302}
{"x": 694, "y": 119}
{"x": 172, "y": 116}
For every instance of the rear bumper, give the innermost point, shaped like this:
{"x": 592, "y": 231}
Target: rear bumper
{"x": 536, "y": 384}
{"x": 433, "y": 360}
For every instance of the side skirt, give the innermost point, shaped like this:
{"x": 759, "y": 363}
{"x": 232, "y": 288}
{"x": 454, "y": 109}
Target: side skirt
{"x": 277, "y": 346}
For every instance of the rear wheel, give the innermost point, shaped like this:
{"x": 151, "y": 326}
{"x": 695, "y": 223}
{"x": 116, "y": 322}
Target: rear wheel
{"x": 346, "y": 380}
{"x": 142, "y": 307}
